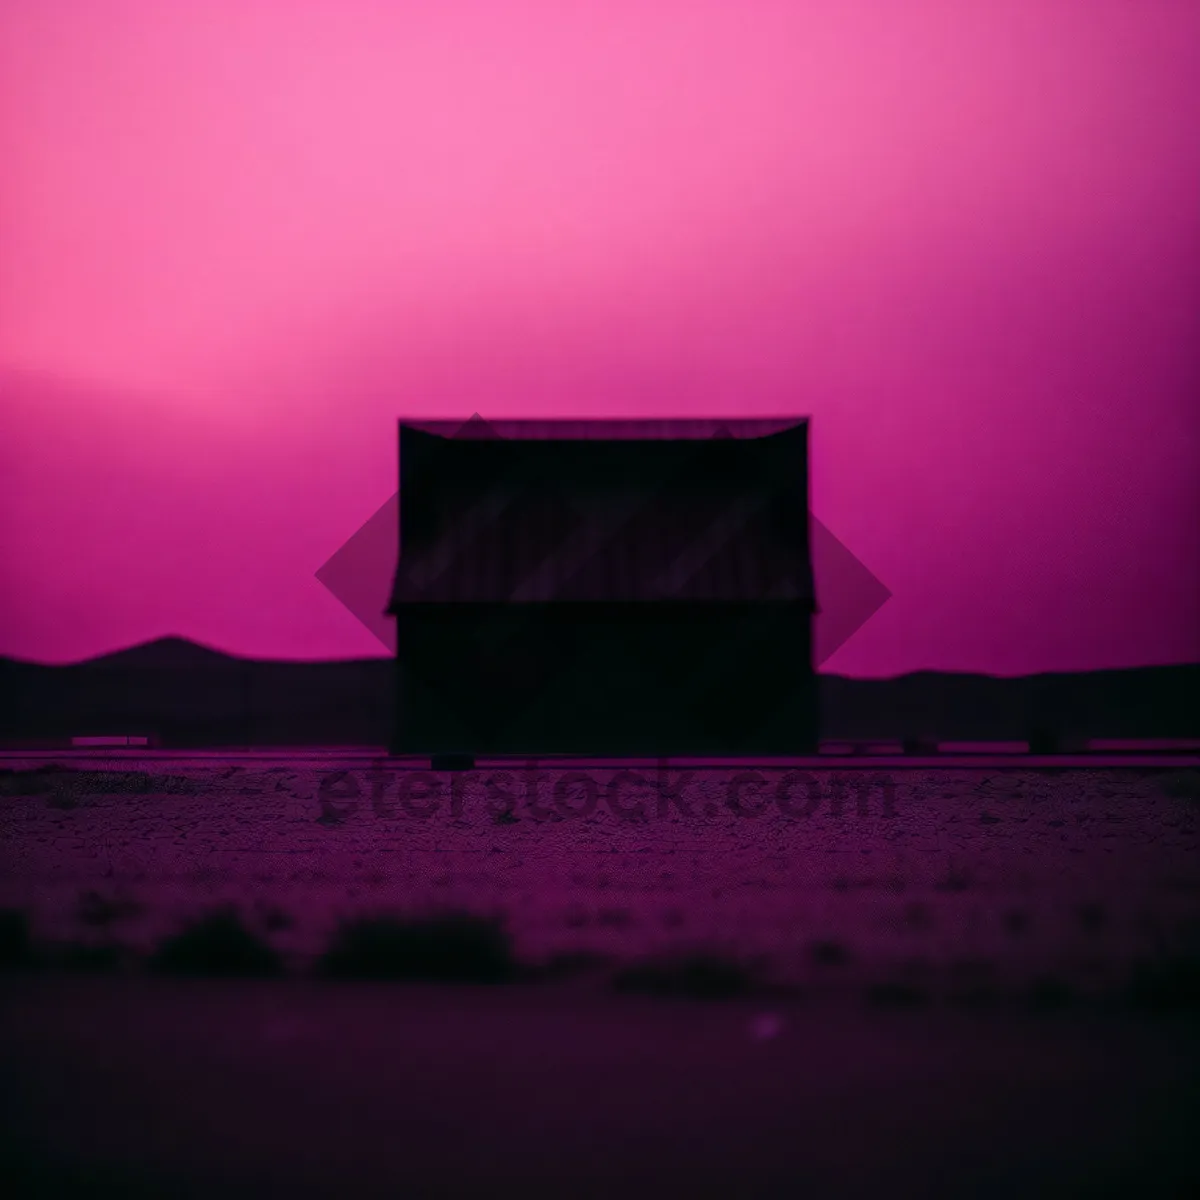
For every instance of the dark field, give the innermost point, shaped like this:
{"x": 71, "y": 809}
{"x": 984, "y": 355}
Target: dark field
{"x": 162, "y": 1088}
{"x": 935, "y": 983}
{"x": 1000, "y": 880}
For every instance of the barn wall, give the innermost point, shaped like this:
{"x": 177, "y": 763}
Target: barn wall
{"x": 605, "y": 679}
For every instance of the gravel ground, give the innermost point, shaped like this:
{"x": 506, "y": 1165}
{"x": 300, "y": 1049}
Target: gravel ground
{"x": 898, "y": 907}
{"x": 948, "y": 879}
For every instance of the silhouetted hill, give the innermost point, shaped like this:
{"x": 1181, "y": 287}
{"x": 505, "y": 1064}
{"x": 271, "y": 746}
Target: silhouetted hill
{"x": 189, "y": 694}
{"x": 1138, "y": 702}
{"x": 165, "y": 653}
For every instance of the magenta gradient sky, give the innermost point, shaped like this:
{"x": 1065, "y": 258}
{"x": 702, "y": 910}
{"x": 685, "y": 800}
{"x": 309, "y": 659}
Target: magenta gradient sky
{"x": 239, "y": 238}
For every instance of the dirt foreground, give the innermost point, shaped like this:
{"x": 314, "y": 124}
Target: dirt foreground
{"x": 142, "y": 1087}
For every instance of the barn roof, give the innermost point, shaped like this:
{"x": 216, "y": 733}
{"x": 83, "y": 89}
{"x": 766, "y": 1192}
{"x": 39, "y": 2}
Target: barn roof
{"x": 608, "y": 428}
{"x": 538, "y": 535}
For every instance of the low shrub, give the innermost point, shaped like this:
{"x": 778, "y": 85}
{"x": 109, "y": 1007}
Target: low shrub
{"x": 451, "y": 947}
{"x": 217, "y": 944}
{"x": 16, "y": 944}
{"x": 695, "y": 976}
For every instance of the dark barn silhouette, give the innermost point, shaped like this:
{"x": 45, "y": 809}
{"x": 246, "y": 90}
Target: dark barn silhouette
{"x": 604, "y": 587}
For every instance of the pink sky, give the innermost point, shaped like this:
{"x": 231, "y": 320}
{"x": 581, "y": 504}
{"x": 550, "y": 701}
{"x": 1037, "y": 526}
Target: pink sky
{"x": 239, "y": 238}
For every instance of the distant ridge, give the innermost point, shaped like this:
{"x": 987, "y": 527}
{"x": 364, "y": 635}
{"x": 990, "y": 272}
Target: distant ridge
{"x": 192, "y": 694}
{"x": 164, "y": 652}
